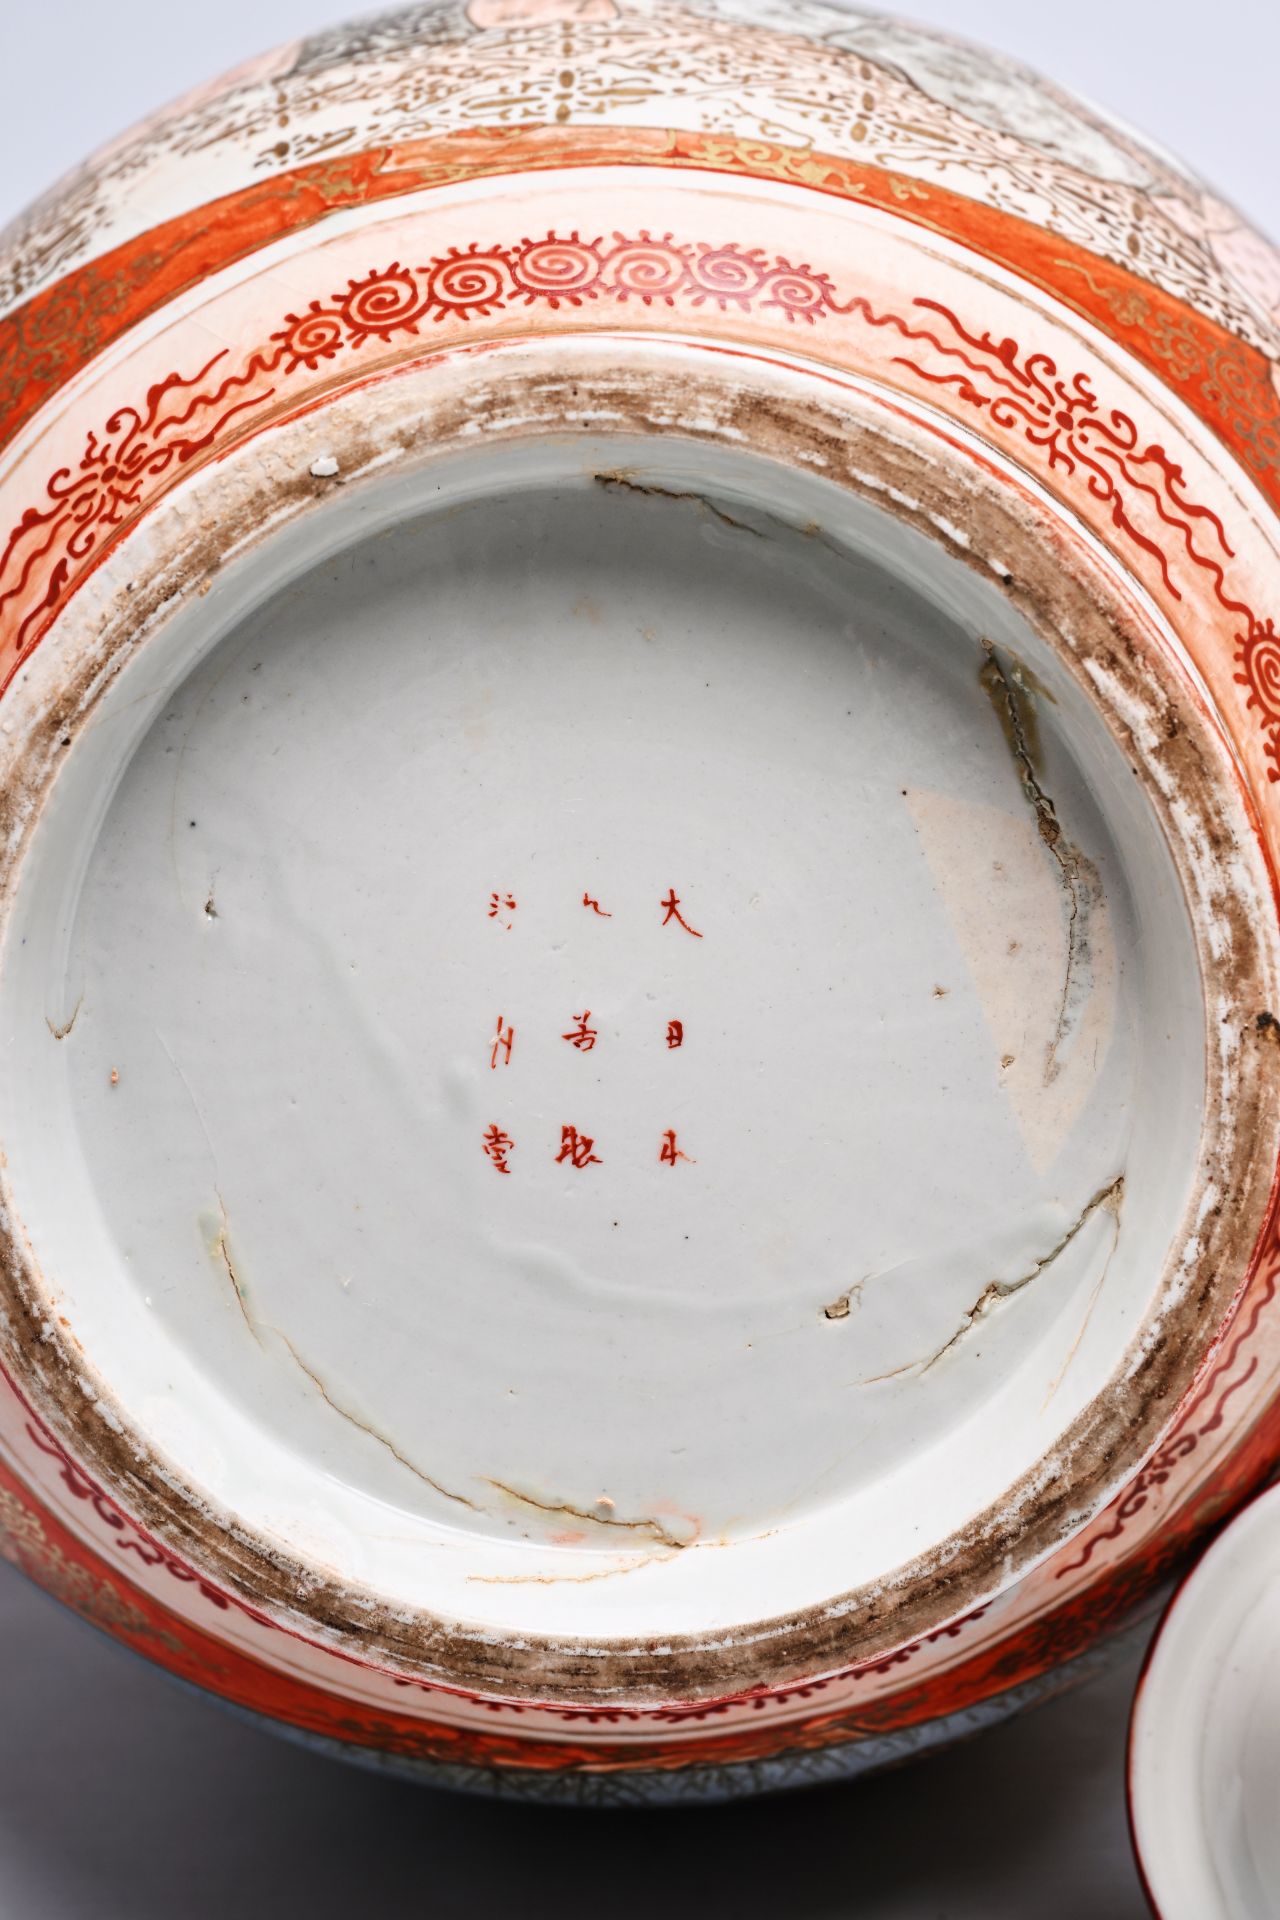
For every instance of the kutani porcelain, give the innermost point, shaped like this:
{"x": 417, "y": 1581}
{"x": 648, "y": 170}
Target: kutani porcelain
{"x": 1204, "y": 1766}
{"x": 638, "y": 947}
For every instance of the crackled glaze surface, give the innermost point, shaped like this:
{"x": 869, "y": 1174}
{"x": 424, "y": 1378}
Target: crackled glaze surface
{"x": 639, "y": 741}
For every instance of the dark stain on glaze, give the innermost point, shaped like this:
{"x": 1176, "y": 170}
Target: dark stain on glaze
{"x": 1073, "y": 606}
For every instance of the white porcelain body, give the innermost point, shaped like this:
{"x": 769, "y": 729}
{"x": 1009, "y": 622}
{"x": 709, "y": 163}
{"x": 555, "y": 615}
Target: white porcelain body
{"x": 638, "y": 921}
{"x": 1204, "y": 1752}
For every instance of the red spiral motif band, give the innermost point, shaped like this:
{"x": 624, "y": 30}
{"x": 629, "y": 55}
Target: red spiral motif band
{"x": 1059, "y": 414}
{"x": 381, "y": 301}
{"x": 554, "y": 270}
{"x": 730, "y": 276}
{"x": 646, "y": 269}
{"x": 467, "y": 284}
{"x": 1259, "y": 658}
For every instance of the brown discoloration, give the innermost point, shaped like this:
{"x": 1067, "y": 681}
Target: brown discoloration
{"x": 1110, "y": 1198}
{"x": 372, "y": 1433}
{"x": 1013, "y": 690}
{"x": 843, "y": 1305}
{"x": 220, "y": 1248}
{"x": 628, "y": 484}
{"x": 1010, "y": 693}
{"x": 614, "y": 1572}
{"x": 1100, "y": 636}
{"x": 653, "y": 1529}
{"x": 1090, "y": 1304}
{"x": 996, "y": 1291}
{"x": 61, "y": 1032}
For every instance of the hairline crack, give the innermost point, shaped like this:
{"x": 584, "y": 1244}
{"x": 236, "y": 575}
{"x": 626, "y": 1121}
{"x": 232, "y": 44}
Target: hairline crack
{"x": 654, "y": 1528}
{"x": 1109, "y": 1197}
{"x": 1000, "y": 691}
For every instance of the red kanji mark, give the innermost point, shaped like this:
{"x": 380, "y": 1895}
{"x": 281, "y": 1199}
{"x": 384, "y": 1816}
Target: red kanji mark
{"x": 501, "y": 907}
{"x": 576, "y": 1148}
{"x": 672, "y": 905}
{"x": 582, "y": 1036}
{"x": 675, "y": 1033}
{"x": 670, "y": 1152}
{"x": 502, "y": 1043}
{"x": 497, "y": 1145}
{"x": 595, "y": 907}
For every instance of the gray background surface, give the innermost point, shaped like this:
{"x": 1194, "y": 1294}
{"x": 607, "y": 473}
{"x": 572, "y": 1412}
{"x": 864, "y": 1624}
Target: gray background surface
{"x": 125, "y": 1798}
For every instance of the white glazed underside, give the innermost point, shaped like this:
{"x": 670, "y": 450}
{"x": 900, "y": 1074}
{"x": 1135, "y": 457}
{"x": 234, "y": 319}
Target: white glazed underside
{"x": 256, "y": 909}
{"x": 1205, "y": 1753}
